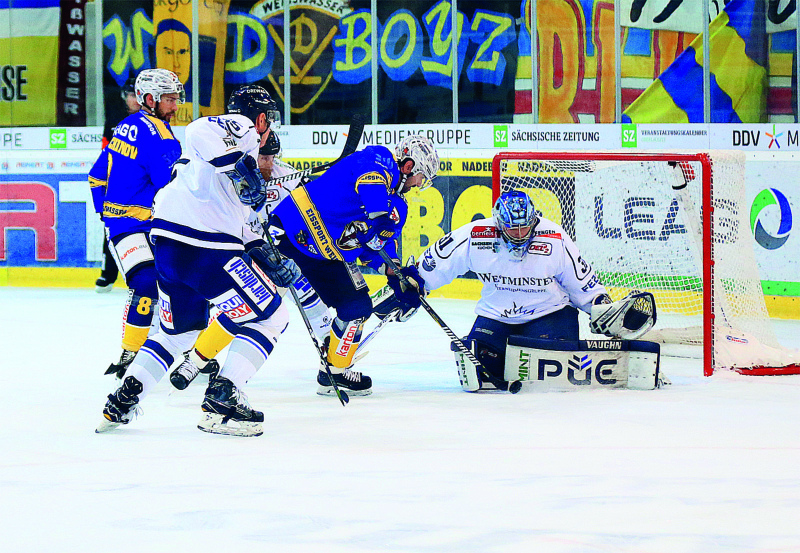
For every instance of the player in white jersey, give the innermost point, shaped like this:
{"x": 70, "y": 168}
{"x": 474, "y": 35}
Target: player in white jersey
{"x": 533, "y": 277}
{"x": 200, "y": 234}
{"x": 221, "y": 331}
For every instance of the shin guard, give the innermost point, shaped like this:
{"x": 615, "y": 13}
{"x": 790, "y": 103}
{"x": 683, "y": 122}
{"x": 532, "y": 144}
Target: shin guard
{"x": 345, "y": 337}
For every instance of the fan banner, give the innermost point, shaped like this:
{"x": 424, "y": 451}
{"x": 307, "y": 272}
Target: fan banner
{"x": 173, "y": 42}
{"x": 29, "y": 61}
{"x": 738, "y": 74}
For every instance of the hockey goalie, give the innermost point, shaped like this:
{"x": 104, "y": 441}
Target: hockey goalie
{"x": 527, "y": 327}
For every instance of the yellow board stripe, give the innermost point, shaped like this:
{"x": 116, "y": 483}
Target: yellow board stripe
{"x": 133, "y": 211}
{"x": 162, "y": 129}
{"x": 313, "y": 221}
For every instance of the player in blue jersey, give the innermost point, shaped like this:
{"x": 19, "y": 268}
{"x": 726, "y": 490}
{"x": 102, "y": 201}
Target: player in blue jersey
{"x": 355, "y": 209}
{"x": 109, "y": 271}
{"x": 135, "y": 165}
{"x": 200, "y": 235}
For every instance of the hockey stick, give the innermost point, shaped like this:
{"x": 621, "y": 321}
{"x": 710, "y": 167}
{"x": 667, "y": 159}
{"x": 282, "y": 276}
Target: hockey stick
{"x": 354, "y": 133}
{"x": 499, "y": 384}
{"x": 391, "y": 317}
{"x": 341, "y": 394}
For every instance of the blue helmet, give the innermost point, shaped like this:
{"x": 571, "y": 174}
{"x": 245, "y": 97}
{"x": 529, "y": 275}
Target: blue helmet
{"x": 515, "y": 218}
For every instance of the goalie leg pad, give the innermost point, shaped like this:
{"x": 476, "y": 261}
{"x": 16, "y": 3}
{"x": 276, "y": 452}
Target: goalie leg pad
{"x": 471, "y": 379}
{"x": 583, "y": 364}
{"x": 467, "y": 371}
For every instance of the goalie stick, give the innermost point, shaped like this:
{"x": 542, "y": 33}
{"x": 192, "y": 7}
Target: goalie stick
{"x": 455, "y": 340}
{"x": 354, "y": 134}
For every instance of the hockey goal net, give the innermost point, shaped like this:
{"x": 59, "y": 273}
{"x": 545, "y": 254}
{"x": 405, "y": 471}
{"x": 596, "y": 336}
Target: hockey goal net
{"x": 673, "y": 224}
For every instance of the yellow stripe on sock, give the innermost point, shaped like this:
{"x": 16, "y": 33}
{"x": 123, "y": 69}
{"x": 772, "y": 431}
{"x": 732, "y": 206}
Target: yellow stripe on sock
{"x": 213, "y": 340}
{"x": 134, "y": 336}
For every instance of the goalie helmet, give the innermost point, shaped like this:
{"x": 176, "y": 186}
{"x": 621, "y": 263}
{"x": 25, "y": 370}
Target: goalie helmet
{"x": 158, "y": 82}
{"x": 250, "y": 101}
{"x": 515, "y": 218}
{"x": 420, "y": 150}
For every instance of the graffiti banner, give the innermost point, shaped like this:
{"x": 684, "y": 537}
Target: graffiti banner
{"x": 172, "y": 24}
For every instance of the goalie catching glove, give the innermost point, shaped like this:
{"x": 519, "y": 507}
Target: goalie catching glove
{"x": 249, "y": 182}
{"x": 280, "y": 269}
{"x": 628, "y": 318}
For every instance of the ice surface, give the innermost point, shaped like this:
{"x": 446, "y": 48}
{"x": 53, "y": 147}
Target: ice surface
{"x": 706, "y": 465}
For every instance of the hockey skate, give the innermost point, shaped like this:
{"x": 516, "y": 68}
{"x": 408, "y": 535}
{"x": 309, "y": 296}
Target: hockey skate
{"x": 228, "y": 412}
{"x": 211, "y": 369}
{"x": 187, "y": 371}
{"x": 183, "y": 375}
{"x": 352, "y": 382}
{"x": 104, "y": 284}
{"x": 121, "y": 406}
{"x": 118, "y": 369}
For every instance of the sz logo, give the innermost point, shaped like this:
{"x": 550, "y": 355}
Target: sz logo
{"x": 762, "y": 211}
{"x": 58, "y": 138}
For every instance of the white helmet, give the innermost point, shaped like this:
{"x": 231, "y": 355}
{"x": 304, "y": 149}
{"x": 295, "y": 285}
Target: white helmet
{"x": 158, "y": 82}
{"x": 420, "y": 150}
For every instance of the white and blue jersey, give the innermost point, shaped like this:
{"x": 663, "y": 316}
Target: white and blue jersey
{"x": 200, "y": 206}
{"x": 551, "y": 275}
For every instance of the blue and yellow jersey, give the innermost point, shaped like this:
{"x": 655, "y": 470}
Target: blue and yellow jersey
{"x": 322, "y": 217}
{"x": 135, "y": 165}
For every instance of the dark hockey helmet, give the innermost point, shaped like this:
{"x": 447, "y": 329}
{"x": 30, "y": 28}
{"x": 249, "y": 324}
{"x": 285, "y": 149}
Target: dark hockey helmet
{"x": 250, "y": 100}
{"x": 515, "y": 218}
{"x": 128, "y": 88}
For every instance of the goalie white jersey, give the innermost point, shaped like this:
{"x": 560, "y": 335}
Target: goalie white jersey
{"x": 551, "y": 275}
{"x": 200, "y": 205}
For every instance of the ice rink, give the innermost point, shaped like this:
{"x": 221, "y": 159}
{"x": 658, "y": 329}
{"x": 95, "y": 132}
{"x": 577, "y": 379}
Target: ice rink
{"x": 705, "y": 465}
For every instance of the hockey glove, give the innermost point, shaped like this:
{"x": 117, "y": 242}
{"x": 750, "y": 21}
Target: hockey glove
{"x": 249, "y": 183}
{"x": 628, "y": 318}
{"x": 280, "y": 269}
{"x": 408, "y": 294}
{"x": 376, "y": 232}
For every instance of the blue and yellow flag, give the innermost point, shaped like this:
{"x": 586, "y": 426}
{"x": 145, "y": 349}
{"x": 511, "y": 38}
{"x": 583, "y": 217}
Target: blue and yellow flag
{"x": 29, "y": 61}
{"x": 738, "y": 56}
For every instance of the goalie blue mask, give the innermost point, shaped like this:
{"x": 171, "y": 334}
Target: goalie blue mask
{"x": 515, "y": 218}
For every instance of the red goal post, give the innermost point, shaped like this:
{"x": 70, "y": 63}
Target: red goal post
{"x": 675, "y": 224}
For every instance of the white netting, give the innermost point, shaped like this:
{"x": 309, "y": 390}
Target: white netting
{"x": 640, "y": 233}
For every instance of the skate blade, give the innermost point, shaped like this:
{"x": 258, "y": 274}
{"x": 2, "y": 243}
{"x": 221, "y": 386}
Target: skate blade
{"x": 106, "y": 426}
{"x": 329, "y": 391}
{"x": 213, "y": 423}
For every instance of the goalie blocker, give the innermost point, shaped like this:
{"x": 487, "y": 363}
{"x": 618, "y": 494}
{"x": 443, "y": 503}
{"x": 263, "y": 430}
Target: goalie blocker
{"x": 562, "y": 365}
